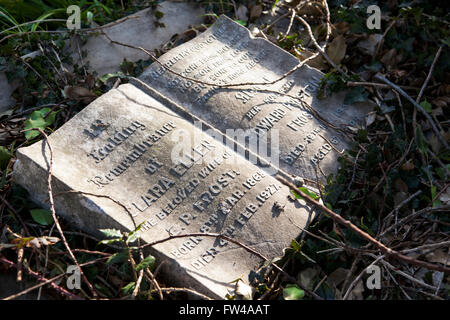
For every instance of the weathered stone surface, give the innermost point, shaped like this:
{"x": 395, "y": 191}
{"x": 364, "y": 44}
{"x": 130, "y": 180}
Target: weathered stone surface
{"x": 227, "y": 54}
{"x": 138, "y": 30}
{"x": 129, "y": 147}
{"x": 6, "y": 89}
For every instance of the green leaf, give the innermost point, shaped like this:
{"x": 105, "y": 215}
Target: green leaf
{"x": 159, "y": 14}
{"x": 420, "y": 140}
{"x": 309, "y": 193}
{"x": 118, "y": 257}
{"x": 437, "y": 202}
{"x": 366, "y": 228}
{"x": 241, "y": 22}
{"x": 119, "y": 74}
{"x": 293, "y": 292}
{"x": 39, "y": 119}
{"x": 111, "y": 233}
{"x": 426, "y": 106}
{"x": 357, "y": 94}
{"x": 133, "y": 236}
{"x": 5, "y": 156}
{"x": 128, "y": 289}
{"x": 42, "y": 216}
{"x": 295, "y": 245}
{"x": 146, "y": 263}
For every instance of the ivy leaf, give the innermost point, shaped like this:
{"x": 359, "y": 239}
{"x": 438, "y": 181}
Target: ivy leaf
{"x": 41, "y": 216}
{"x": 119, "y": 74}
{"x": 420, "y": 140}
{"x": 118, "y": 257}
{"x": 111, "y": 233}
{"x": 39, "y": 119}
{"x": 133, "y": 236}
{"x": 293, "y": 292}
{"x": 146, "y": 263}
{"x": 5, "y": 155}
{"x": 357, "y": 94}
{"x": 426, "y": 106}
{"x": 128, "y": 289}
{"x": 295, "y": 245}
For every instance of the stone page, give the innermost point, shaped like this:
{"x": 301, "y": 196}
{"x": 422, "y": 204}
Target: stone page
{"x": 127, "y": 150}
{"x": 227, "y": 54}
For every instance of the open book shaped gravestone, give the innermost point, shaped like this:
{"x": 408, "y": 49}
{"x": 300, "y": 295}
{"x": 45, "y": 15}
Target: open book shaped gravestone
{"x": 133, "y": 159}
{"x": 122, "y": 146}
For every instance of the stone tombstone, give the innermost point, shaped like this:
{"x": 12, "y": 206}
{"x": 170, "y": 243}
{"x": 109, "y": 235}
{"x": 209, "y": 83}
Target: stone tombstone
{"x": 228, "y": 54}
{"x": 125, "y": 156}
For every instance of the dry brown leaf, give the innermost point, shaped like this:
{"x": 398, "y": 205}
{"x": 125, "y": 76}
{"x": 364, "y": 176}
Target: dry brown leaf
{"x": 306, "y": 277}
{"x": 370, "y": 118}
{"x": 407, "y": 166}
{"x": 445, "y": 197}
{"x": 318, "y": 62}
{"x": 438, "y": 256}
{"x": 441, "y": 102}
{"x": 79, "y": 93}
{"x": 337, "y": 276}
{"x": 368, "y": 46}
{"x": 389, "y": 58}
{"x": 357, "y": 292}
{"x": 255, "y": 12}
{"x": 336, "y": 49}
{"x": 342, "y": 27}
{"x": 400, "y": 185}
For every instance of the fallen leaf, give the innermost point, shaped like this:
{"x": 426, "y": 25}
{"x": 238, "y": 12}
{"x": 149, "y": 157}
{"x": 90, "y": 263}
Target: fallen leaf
{"x": 389, "y": 58}
{"x": 356, "y": 293}
{"x": 445, "y": 197}
{"x": 244, "y": 290}
{"x": 370, "y": 118}
{"x": 306, "y": 277}
{"x": 368, "y": 46}
{"x": 407, "y": 166}
{"x": 438, "y": 256}
{"x": 318, "y": 62}
{"x": 35, "y": 242}
{"x": 336, "y": 49}
{"x": 337, "y": 276}
{"x": 79, "y": 93}
{"x": 255, "y": 12}
{"x": 400, "y": 185}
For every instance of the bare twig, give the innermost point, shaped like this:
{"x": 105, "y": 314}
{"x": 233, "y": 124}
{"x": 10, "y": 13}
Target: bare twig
{"x": 247, "y": 248}
{"x": 55, "y": 218}
{"x": 418, "y": 106}
{"x": 436, "y": 57}
{"x": 387, "y": 251}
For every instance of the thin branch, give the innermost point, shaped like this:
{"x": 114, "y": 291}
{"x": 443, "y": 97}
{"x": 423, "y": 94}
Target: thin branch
{"x": 418, "y": 106}
{"x": 247, "y": 248}
{"x": 387, "y": 251}
{"x": 436, "y": 57}
{"x": 55, "y": 218}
